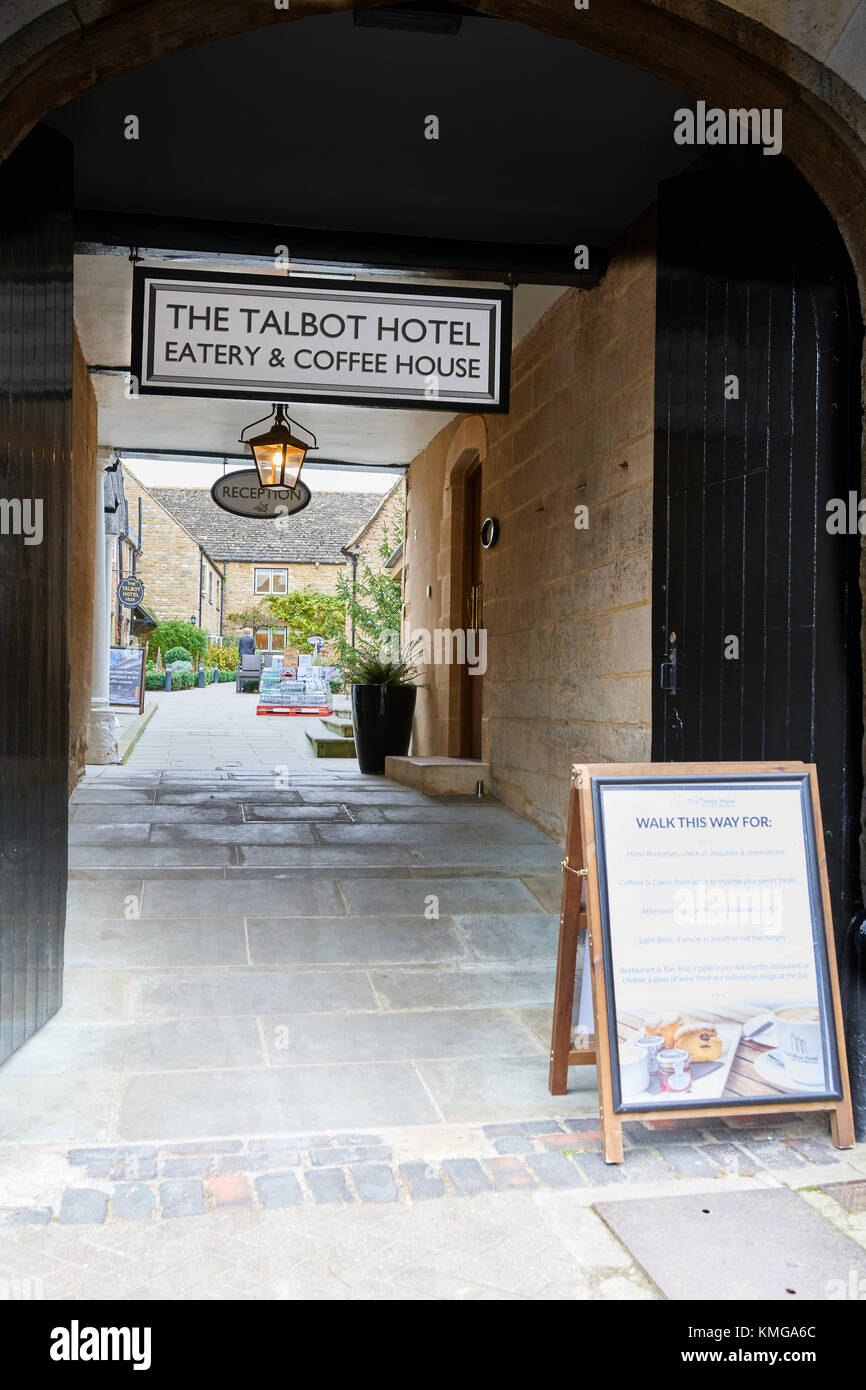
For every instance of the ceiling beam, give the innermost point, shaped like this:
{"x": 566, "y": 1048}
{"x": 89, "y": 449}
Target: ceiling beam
{"x": 235, "y": 244}
{"x": 244, "y": 460}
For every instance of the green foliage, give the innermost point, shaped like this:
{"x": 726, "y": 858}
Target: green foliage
{"x": 165, "y": 636}
{"x": 226, "y": 676}
{"x": 368, "y": 665}
{"x": 182, "y": 680}
{"x": 178, "y": 666}
{"x": 177, "y": 654}
{"x": 375, "y": 608}
{"x": 336, "y": 686}
{"x": 255, "y": 615}
{"x": 307, "y": 613}
{"x": 225, "y": 658}
{"x": 154, "y": 680}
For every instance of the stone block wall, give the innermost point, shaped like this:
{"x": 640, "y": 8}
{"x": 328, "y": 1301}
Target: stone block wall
{"x": 566, "y": 609}
{"x": 169, "y": 562}
{"x": 240, "y": 581}
{"x": 82, "y": 531}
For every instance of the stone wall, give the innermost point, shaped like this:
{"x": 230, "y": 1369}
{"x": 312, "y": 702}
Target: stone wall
{"x": 240, "y": 581}
{"x": 82, "y": 530}
{"x": 170, "y": 562}
{"x": 566, "y": 609}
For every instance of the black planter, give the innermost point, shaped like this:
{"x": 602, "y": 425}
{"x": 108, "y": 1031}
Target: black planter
{"x": 853, "y": 981}
{"x": 382, "y": 718}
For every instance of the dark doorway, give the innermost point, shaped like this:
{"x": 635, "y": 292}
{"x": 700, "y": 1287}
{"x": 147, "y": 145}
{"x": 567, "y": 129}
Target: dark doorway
{"x": 472, "y": 685}
{"x": 756, "y": 607}
{"x": 35, "y": 439}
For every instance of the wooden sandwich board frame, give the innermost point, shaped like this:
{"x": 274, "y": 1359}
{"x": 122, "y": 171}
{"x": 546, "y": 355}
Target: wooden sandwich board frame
{"x": 581, "y": 912}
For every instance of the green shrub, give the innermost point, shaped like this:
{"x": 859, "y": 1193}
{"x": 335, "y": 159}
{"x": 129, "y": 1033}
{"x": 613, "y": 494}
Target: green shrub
{"x": 178, "y": 654}
{"x": 176, "y": 667}
{"x": 226, "y": 658}
{"x": 226, "y": 676}
{"x": 182, "y": 680}
{"x": 154, "y": 680}
{"x": 336, "y": 686}
{"x": 166, "y": 636}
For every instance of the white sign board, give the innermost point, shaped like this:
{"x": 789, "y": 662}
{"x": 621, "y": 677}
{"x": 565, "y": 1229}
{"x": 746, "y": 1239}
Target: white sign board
{"x": 248, "y": 337}
{"x": 716, "y": 962}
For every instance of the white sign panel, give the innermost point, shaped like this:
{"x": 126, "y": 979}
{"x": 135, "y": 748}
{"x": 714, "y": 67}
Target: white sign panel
{"x": 247, "y": 337}
{"x": 715, "y": 938}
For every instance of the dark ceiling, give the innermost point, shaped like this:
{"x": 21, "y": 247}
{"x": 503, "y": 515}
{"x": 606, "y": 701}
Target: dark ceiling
{"x": 320, "y": 123}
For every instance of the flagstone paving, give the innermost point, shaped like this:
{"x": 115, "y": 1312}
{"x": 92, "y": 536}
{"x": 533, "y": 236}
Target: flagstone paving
{"x": 304, "y": 1044}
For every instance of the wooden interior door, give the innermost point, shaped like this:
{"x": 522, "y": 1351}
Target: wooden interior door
{"x": 473, "y": 616}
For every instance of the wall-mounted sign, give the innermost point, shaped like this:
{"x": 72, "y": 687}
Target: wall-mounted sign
{"x": 126, "y": 677}
{"x": 710, "y": 945}
{"x": 252, "y": 336}
{"x": 130, "y": 591}
{"x": 243, "y": 494}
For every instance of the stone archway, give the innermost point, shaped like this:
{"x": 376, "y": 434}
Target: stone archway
{"x": 808, "y": 65}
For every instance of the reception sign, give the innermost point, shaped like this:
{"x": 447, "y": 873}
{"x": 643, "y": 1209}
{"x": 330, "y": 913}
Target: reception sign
{"x": 242, "y": 494}
{"x": 126, "y": 677}
{"x": 250, "y": 337}
{"x": 710, "y": 946}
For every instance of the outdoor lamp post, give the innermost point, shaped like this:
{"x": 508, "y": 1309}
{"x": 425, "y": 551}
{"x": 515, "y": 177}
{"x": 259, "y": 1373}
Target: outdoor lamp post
{"x": 278, "y": 453}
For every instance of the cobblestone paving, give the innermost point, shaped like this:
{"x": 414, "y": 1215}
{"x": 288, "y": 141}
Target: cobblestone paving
{"x": 148, "y": 1182}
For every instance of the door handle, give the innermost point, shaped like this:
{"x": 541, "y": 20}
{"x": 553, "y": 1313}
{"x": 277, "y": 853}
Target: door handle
{"x": 668, "y": 669}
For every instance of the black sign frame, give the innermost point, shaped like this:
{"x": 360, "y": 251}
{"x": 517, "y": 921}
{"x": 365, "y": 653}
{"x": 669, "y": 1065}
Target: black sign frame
{"x": 141, "y": 653}
{"x": 141, "y": 275}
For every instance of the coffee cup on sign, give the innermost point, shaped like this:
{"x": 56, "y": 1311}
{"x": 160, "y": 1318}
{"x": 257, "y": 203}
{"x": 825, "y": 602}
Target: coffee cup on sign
{"x": 798, "y": 1028}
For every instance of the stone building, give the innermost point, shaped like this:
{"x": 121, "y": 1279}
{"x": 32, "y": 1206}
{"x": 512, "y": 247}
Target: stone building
{"x": 241, "y": 560}
{"x": 182, "y": 581}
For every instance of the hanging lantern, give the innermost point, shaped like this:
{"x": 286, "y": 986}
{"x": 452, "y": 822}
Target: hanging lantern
{"x": 278, "y": 453}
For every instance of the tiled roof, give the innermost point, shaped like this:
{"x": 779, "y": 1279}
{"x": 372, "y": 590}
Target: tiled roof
{"x": 315, "y": 534}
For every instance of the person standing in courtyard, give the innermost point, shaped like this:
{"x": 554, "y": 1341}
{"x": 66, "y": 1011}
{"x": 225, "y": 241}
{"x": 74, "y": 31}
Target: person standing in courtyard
{"x": 247, "y": 643}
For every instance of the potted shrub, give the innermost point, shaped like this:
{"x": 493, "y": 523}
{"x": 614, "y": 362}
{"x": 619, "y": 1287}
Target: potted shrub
{"x": 384, "y": 689}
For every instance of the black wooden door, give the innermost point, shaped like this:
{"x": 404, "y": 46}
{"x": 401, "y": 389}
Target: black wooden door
{"x": 35, "y": 437}
{"x": 756, "y": 608}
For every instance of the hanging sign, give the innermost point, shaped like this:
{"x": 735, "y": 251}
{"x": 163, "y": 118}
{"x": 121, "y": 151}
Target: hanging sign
{"x": 252, "y": 336}
{"x": 242, "y": 494}
{"x": 710, "y": 947}
{"x": 126, "y": 677}
{"x": 130, "y": 591}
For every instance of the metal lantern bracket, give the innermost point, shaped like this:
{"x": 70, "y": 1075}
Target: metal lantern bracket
{"x": 288, "y": 419}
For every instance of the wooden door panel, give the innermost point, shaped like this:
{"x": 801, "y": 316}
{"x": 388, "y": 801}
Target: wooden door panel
{"x": 741, "y": 486}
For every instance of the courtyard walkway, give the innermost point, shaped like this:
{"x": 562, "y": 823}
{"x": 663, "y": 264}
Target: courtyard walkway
{"x": 303, "y": 1052}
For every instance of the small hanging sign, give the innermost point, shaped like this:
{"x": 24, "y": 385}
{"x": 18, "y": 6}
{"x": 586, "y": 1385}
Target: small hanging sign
{"x": 130, "y": 591}
{"x": 242, "y": 494}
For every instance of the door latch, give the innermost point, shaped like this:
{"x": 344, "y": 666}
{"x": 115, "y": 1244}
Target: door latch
{"x": 668, "y": 669}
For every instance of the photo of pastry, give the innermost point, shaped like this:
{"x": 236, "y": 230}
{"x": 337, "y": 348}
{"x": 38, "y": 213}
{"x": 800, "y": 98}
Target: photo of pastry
{"x": 701, "y": 1053}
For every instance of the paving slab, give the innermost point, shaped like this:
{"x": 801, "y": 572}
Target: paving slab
{"x": 103, "y": 942}
{"x": 731, "y": 1246}
{"x": 467, "y": 986}
{"x": 352, "y": 941}
{"x": 211, "y": 994}
{"x": 249, "y": 898}
{"x": 498, "y": 936}
{"x": 283, "y": 1098}
{"x": 452, "y": 896}
{"x": 397, "y": 1037}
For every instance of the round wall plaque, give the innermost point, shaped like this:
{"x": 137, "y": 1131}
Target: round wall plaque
{"x": 489, "y": 532}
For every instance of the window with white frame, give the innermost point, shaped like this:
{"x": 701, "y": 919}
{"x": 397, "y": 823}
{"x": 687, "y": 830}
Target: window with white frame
{"x": 272, "y": 639}
{"x": 271, "y": 581}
